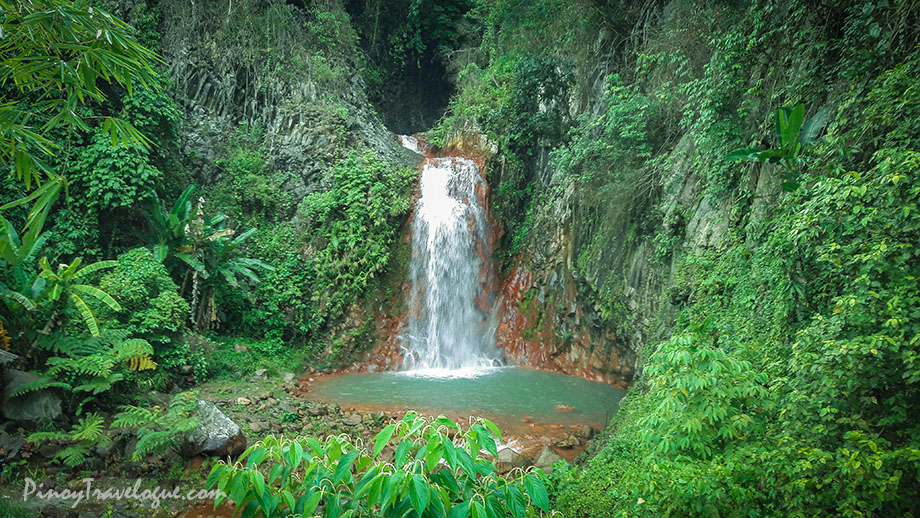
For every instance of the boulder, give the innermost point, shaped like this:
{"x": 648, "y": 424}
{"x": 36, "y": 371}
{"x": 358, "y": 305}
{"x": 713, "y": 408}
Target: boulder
{"x": 217, "y": 435}
{"x": 568, "y": 442}
{"x": 509, "y": 459}
{"x": 38, "y": 405}
{"x": 547, "y": 458}
{"x": 10, "y": 446}
{"x": 317, "y": 411}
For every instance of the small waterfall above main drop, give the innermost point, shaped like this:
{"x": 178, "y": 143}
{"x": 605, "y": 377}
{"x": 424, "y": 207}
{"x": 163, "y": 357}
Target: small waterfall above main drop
{"x": 451, "y": 325}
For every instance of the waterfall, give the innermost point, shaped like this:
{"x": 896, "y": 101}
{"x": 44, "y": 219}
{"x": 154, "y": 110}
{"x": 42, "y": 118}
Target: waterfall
{"x": 451, "y": 325}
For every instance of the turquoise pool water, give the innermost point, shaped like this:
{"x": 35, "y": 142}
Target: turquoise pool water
{"x": 500, "y": 392}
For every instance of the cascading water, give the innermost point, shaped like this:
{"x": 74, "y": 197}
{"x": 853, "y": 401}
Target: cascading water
{"x": 451, "y": 326}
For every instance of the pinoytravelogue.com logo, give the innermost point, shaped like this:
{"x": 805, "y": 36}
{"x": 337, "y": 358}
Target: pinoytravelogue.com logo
{"x": 147, "y": 496}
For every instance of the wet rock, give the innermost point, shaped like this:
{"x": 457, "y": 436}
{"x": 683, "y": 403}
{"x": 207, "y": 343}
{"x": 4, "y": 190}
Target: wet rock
{"x": 217, "y": 434}
{"x": 564, "y": 408}
{"x": 586, "y": 432}
{"x": 49, "y": 450}
{"x": 317, "y": 411}
{"x": 567, "y": 443}
{"x": 547, "y": 458}
{"x": 38, "y": 405}
{"x": 509, "y": 459}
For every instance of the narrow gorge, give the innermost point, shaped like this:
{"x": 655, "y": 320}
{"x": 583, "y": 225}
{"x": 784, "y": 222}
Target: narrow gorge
{"x": 453, "y": 258}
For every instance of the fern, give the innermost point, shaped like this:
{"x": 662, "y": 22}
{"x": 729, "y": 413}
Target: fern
{"x": 40, "y": 384}
{"x": 159, "y": 428}
{"x": 94, "y": 365}
{"x": 73, "y": 456}
{"x": 88, "y": 432}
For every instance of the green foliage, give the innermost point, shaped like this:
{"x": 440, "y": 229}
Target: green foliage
{"x": 110, "y": 177}
{"x": 437, "y": 470}
{"x": 204, "y": 250}
{"x": 159, "y": 429}
{"x": 794, "y": 135}
{"x": 88, "y": 433}
{"x": 90, "y": 367}
{"x": 151, "y": 306}
{"x": 62, "y": 53}
{"x": 66, "y": 280}
{"x": 710, "y": 397}
{"x": 352, "y": 228}
{"x": 805, "y": 401}
{"x": 247, "y": 191}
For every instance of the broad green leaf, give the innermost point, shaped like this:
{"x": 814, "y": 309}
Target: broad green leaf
{"x": 400, "y": 458}
{"x": 537, "y": 491}
{"x": 343, "y": 469}
{"x": 383, "y": 438}
{"x": 461, "y": 510}
{"x": 418, "y": 493}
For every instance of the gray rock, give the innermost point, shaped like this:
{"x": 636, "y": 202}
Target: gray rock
{"x": 509, "y": 459}
{"x": 547, "y": 458}
{"x": 38, "y": 405}
{"x": 317, "y": 411}
{"x": 569, "y": 442}
{"x": 352, "y": 420}
{"x": 287, "y": 377}
{"x": 11, "y": 446}
{"x": 217, "y": 435}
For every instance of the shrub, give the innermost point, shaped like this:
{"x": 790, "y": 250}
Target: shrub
{"x": 437, "y": 471}
{"x": 151, "y": 306}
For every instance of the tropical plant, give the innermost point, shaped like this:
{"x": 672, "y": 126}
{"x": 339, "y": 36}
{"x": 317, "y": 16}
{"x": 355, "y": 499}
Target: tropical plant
{"x": 67, "y": 280}
{"x": 88, "y": 367}
{"x": 167, "y": 229}
{"x": 57, "y": 55}
{"x": 207, "y": 249}
{"x": 83, "y": 436}
{"x": 213, "y": 264}
{"x": 794, "y": 134}
{"x": 152, "y": 308}
{"x": 157, "y": 428}
{"x": 437, "y": 470}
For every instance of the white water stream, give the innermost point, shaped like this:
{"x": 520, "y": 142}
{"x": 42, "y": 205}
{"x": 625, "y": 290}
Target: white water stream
{"x": 450, "y": 331}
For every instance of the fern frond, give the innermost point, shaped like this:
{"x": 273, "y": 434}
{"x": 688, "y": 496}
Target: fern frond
{"x": 153, "y": 442}
{"x": 73, "y": 456}
{"x": 142, "y": 363}
{"x": 89, "y": 428}
{"x": 40, "y": 384}
{"x": 135, "y": 416}
{"x": 100, "y": 384}
{"x": 38, "y": 437}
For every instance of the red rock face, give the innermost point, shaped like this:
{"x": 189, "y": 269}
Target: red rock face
{"x": 529, "y": 331}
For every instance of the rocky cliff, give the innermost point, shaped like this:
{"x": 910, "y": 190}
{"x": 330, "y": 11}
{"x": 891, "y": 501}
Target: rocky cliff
{"x": 595, "y": 282}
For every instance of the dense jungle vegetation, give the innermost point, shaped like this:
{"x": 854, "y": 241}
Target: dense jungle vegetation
{"x": 779, "y": 374}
